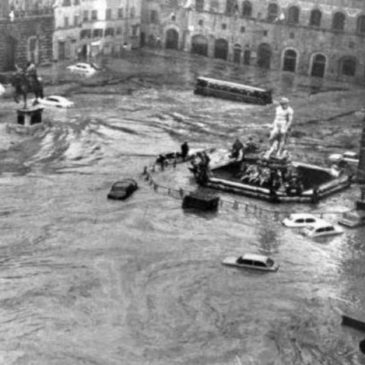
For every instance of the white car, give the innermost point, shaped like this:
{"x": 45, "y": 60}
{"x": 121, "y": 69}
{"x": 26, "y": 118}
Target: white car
{"x": 353, "y": 219}
{"x": 82, "y": 68}
{"x": 352, "y": 158}
{"x": 320, "y": 229}
{"x": 300, "y": 220}
{"x": 252, "y": 261}
{"x": 55, "y": 101}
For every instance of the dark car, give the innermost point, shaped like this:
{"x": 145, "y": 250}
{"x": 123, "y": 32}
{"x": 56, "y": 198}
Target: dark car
{"x": 122, "y": 189}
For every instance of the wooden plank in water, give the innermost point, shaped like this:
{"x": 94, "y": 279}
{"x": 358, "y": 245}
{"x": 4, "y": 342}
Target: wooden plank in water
{"x": 354, "y": 323}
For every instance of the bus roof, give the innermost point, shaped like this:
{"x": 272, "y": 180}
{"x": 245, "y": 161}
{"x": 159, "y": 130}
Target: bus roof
{"x": 232, "y": 84}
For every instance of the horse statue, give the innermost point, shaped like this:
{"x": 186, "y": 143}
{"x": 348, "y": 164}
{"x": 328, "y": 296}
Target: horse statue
{"x": 25, "y": 82}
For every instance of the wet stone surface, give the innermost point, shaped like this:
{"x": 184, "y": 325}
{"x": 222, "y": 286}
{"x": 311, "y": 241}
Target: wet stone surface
{"x": 85, "y": 280}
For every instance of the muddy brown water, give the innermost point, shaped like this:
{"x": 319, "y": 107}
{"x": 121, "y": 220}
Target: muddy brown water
{"x": 84, "y": 280}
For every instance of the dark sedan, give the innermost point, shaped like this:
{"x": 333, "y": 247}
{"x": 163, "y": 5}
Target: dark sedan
{"x": 121, "y": 190}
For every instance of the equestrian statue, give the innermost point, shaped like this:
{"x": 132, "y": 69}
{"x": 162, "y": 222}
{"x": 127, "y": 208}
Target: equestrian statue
{"x": 26, "y": 81}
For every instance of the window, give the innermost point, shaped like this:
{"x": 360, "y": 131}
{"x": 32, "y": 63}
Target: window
{"x": 66, "y": 3}
{"x": 231, "y": 7}
{"x": 109, "y": 32}
{"x": 291, "y": 35}
{"x": 85, "y": 33}
{"x": 76, "y": 20}
{"x": 199, "y": 5}
{"x": 214, "y": 6}
{"x": 120, "y": 13}
{"x": 134, "y": 30}
{"x": 154, "y": 17}
{"x": 118, "y": 31}
{"x": 309, "y": 220}
{"x": 133, "y": 12}
{"x": 272, "y": 12}
{"x": 246, "y": 9}
{"x": 94, "y": 15}
{"x": 300, "y": 220}
{"x": 338, "y": 21}
{"x": 97, "y": 33}
{"x": 243, "y": 29}
{"x": 65, "y": 20}
{"x": 360, "y": 25}
{"x": 201, "y": 22}
{"x": 76, "y": 2}
{"x": 293, "y": 15}
{"x": 348, "y": 67}
{"x": 259, "y": 264}
{"x": 85, "y": 16}
{"x": 315, "y": 18}
{"x": 108, "y": 14}
{"x": 224, "y": 26}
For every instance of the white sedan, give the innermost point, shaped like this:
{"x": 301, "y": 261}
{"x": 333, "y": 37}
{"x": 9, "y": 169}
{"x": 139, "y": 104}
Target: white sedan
{"x": 55, "y": 101}
{"x": 82, "y": 68}
{"x": 300, "y": 220}
{"x": 320, "y": 229}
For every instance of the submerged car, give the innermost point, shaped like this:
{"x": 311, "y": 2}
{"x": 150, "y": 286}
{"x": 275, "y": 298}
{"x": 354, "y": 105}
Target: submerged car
{"x": 55, "y": 101}
{"x": 121, "y": 190}
{"x": 300, "y": 220}
{"x": 252, "y": 261}
{"x": 82, "y": 68}
{"x": 353, "y": 219}
{"x": 349, "y": 157}
{"x": 320, "y": 229}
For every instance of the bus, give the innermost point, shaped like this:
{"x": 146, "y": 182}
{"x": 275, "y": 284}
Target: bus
{"x": 233, "y": 91}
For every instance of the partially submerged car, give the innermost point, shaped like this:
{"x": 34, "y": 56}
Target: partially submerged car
{"x": 55, "y": 101}
{"x": 320, "y": 229}
{"x": 252, "y": 261}
{"x": 300, "y": 220}
{"x": 121, "y": 190}
{"x": 352, "y": 219}
{"x": 82, "y": 68}
{"x": 349, "y": 157}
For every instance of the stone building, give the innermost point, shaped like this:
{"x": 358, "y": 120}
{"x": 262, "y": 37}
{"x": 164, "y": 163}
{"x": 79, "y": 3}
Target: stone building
{"x": 26, "y": 28}
{"x": 92, "y": 27}
{"x": 323, "y": 39}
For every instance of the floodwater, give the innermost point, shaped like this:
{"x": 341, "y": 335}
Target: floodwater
{"x": 84, "y": 280}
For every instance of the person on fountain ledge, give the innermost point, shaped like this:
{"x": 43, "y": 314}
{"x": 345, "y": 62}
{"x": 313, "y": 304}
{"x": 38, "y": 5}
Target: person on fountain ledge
{"x": 237, "y": 150}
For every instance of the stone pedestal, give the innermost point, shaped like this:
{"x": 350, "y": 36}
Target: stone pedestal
{"x": 28, "y": 120}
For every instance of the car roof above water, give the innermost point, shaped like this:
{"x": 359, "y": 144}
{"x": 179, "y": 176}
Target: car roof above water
{"x": 301, "y": 215}
{"x": 255, "y": 257}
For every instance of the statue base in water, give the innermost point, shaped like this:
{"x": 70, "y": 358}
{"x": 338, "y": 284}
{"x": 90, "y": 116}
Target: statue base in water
{"x": 28, "y": 120}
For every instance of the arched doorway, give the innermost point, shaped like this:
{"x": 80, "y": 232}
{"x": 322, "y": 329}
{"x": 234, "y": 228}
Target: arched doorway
{"x": 237, "y": 51}
{"x": 221, "y": 49}
{"x": 246, "y": 57}
{"x": 290, "y": 60}
{"x": 264, "y": 55}
{"x": 172, "y": 39}
{"x": 9, "y": 53}
{"x": 199, "y": 45}
{"x": 318, "y": 65}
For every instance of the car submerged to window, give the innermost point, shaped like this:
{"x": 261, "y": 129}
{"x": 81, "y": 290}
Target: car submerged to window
{"x": 122, "y": 189}
{"x": 55, "y": 101}
{"x": 349, "y": 157}
{"x": 300, "y": 220}
{"x": 321, "y": 229}
{"x": 252, "y": 261}
{"x": 82, "y": 68}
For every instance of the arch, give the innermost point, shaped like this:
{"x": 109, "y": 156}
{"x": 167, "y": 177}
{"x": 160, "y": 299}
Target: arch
{"x": 237, "y": 52}
{"x": 9, "y": 52}
{"x": 246, "y": 9}
{"x": 347, "y": 66}
{"x": 199, "y": 45}
{"x": 221, "y": 49}
{"x": 272, "y": 12}
{"x": 315, "y": 18}
{"x": 199, "y": 5}
{"x": 264, "y": 54}
{"x": 338, "y": 21}
{"x": 293, "y": 15}
{"x": 360, "y": 24}
{"x": 172, "y": 39}
{"x": 318, "y": 65}
{"x": 33, "y": 49}
{"x": 290, "y": 60}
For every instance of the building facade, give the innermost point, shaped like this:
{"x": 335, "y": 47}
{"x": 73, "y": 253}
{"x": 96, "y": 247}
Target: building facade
{"x": 322, "y": 39}
{"x": 26, "y": 28}
{"x": 91, "y": 27}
